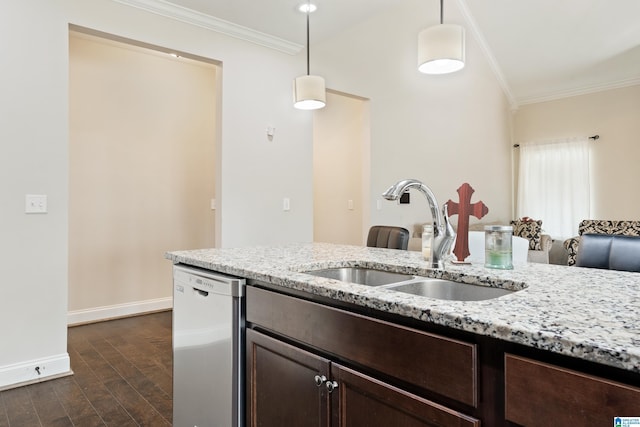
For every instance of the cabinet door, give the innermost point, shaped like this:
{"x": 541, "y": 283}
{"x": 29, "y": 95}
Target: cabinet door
{"x": 281, "y": 384}
{"x": 362, "y": 401}
{"x": 539, "y": 394}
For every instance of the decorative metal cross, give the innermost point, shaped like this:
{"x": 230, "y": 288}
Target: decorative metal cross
{"x": 464, "y": 209}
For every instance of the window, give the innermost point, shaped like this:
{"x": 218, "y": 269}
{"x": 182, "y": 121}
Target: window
{"x": 553, "y": 184}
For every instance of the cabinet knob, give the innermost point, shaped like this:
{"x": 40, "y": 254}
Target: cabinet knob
{"x": 332, "y": 385}
{"x": 320, "y": 379}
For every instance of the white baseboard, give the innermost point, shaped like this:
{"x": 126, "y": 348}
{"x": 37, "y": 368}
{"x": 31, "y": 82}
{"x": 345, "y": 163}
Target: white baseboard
{"x": 78, "y": 317}
{"x": 34, "y": 371}
{"x": 48, "y": 368}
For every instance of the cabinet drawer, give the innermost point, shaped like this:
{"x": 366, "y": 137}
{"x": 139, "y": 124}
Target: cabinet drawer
{"x": 436, "y": 363}
{"x": 539, "y": 394}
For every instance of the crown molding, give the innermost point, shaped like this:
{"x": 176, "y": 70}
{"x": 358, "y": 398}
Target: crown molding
{"x": 585, "y": 90}
{"x": 189, "y": 16}
{"x": 484, "y": 46}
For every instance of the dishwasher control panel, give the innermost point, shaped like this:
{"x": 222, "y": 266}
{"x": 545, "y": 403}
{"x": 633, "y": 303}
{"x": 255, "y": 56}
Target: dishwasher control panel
{"x": 207, "y": 281}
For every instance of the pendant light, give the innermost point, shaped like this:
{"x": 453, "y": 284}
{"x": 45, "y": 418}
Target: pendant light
{"x": 441, "y": 48}
{"x": 308, "y": 91}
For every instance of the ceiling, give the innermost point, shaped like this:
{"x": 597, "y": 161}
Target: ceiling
{"x": 540, "y": 50}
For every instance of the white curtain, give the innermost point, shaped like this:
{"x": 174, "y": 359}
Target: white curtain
{"x": 553, "y": 184}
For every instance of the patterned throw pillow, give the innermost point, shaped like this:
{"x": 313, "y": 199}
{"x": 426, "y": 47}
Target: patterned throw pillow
{"x": 530, "y": 230}
{"x": 600, "y": 226}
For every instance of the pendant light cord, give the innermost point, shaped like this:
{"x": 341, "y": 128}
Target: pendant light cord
{"x": 308, "y": 13}
{"x": 441, "y": 12}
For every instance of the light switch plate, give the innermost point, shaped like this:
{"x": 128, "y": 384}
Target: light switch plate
{"x": 35, "y": 203}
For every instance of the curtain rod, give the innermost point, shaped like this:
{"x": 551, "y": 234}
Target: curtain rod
{"x": 594, "y": 137}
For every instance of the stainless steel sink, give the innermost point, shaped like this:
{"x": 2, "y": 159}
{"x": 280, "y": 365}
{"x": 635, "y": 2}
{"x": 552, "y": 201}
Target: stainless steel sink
{"x": 448, "y": 290}
{"x": 362, "y": 276}
{"x": 415, "y": 285}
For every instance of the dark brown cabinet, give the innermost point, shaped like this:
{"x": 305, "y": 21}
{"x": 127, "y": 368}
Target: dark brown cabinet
{"x": 282, "y": 388}
{"x": 541, "y": 394}
{"x": 312, "y": 364}
{"x": 290, "y": 386}
{"x": 362, "y": 401}
{"x": 318, "y": 385}
{"x": 432, "y": 362}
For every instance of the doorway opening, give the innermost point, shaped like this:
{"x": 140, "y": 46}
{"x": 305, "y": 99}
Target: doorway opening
{"x": 341, "y": 170}
{"x": 143, "y": 147}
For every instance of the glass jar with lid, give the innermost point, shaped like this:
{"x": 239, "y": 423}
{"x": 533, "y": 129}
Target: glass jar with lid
{"x": 497, "y": 247}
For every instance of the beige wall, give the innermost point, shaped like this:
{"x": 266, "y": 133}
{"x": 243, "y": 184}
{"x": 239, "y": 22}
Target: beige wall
{"x": 141, "y": 169}
{"x": 340, "y": 147}
{"x": 615, "y": 116}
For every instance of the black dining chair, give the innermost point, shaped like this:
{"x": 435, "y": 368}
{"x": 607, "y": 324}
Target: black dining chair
{"x": 384, "y": 236}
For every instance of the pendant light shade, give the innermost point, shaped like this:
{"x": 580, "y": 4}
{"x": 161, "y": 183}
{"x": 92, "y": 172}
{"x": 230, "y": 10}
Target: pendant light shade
{"x": 441, "y": 48}
{"x": 309, "y": 91}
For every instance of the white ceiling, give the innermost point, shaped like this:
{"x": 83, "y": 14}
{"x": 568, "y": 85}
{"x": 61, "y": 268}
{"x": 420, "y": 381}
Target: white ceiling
{"x": 543, "y": 49}
{"x": 552, "y": 48}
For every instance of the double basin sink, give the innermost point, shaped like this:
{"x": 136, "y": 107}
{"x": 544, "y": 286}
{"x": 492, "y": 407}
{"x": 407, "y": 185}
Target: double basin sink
{"x": 416, "y": 285}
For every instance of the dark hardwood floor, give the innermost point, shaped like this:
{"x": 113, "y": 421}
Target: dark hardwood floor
{"x": 122, "y": 377}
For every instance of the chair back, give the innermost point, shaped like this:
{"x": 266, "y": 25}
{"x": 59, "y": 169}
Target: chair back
{"x": 609, "y": 251}
{"x": 384, "y": 236}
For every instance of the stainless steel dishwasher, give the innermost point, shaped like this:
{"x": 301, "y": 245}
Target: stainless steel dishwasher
{"x": 208, "y": 348}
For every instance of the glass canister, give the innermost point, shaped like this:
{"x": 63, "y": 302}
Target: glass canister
{"x": 497, "y": 247}
{"x": 427, "y": 243}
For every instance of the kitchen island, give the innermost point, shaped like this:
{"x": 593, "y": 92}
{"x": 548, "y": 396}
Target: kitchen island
{"x": 584, "y": 315}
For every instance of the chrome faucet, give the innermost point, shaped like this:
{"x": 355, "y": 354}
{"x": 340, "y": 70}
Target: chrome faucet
{"x": 443, "y": 233}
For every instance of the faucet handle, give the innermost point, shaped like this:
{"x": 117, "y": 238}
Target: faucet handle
{"x": 445, "y": 217}
{"x": 445, "y": 210}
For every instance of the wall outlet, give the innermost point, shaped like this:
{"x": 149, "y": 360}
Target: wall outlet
{"x": 35, "y": 203}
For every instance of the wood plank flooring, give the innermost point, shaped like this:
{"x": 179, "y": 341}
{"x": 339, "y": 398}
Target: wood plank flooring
{"x": 122, "y": 377}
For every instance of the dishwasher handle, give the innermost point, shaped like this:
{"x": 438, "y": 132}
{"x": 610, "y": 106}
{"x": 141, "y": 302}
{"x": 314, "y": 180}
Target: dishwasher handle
{"x": 201, "y": 292}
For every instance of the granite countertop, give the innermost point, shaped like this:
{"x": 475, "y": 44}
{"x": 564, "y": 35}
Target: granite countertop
{"x": 585, "y": 313}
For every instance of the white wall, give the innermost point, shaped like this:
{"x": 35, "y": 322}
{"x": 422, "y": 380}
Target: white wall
{"x": 443, "y": 130}
{"x": 254, "y": 173}
{"x": 33, "y": 139}
{"x": 615, "y": 116}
